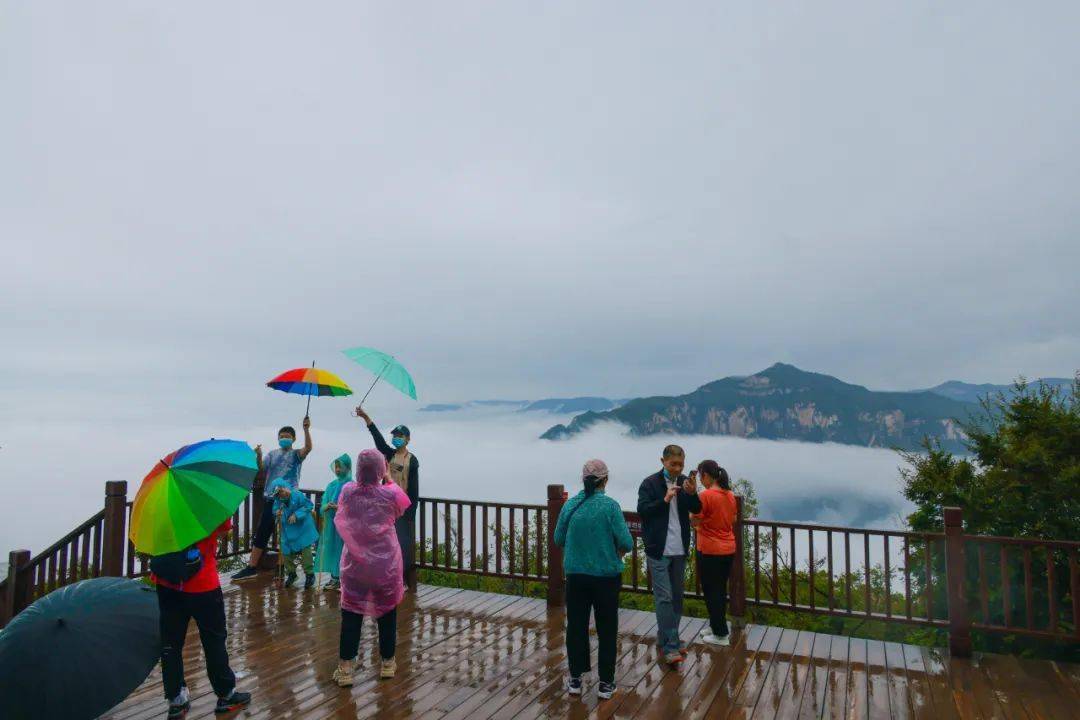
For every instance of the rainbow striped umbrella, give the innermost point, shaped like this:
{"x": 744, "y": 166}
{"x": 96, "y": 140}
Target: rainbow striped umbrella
{"x": 189, "y": 494}
{"x": 310, "y": 381}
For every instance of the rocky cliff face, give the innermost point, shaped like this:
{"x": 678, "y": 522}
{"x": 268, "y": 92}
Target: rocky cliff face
{"x": 785, "y": 403}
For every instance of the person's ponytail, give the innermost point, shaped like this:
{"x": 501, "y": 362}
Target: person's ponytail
{"x": 591, "y": 482}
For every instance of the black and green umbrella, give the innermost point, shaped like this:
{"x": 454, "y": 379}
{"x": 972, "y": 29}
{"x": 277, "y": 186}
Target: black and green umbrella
{"x": 79, "y": 651}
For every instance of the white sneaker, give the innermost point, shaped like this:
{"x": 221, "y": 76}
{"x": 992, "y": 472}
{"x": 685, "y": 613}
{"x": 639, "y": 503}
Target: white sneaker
{"x": 720, "y": 640}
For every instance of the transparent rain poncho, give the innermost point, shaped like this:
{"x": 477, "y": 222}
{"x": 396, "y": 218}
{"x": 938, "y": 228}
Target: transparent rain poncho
{"x": 371, "y": 566}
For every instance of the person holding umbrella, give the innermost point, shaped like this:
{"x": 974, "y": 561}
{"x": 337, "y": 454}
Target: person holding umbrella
{"x": 183, "y": 506}
{"x": 283, "y": 462}
{"x": 199, "y": 598}
{"x": 404, "y": 471}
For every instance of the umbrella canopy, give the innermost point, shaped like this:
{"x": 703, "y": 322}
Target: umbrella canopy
{"x": 385, "y": 367}
{"x": 190, "y": 493}
{"x": 79, "y": 651}
{"x": 310, "y": 381}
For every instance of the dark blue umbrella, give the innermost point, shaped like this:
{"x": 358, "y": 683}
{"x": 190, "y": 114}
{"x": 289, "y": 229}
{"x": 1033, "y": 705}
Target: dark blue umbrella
{"x": 79, "y": 651}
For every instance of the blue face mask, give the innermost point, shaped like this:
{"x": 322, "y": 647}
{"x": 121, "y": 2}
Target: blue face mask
{"x": 285, "y": 443}
{"x": 397, "y": 441}
{"x": 667, "y": 475}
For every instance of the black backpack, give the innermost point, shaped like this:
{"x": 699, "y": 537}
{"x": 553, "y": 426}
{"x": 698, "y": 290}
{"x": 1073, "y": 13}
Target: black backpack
{"x": 176, "y": 568}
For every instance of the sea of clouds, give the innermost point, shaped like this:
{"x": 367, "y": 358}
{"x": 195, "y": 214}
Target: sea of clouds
{"x": 52, "y": 474}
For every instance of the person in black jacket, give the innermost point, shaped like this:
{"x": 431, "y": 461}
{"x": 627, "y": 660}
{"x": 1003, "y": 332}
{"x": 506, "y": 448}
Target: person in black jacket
{"x": 665, "y": 501}
{"x": 404, "y": 470}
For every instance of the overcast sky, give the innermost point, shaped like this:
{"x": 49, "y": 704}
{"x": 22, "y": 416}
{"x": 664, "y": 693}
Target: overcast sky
{"x": 526, "y": 200}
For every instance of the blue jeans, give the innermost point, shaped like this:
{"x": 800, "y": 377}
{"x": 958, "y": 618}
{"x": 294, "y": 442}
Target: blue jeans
{"x": 667, "y": 589}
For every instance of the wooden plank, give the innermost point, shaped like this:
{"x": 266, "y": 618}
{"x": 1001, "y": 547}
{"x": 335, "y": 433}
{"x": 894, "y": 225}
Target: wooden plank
{"x": 653, "y": 704}
{"x": 710, "y": 666}
{"x": 743, "y": 694}
{"x": 811, "y": 700}
{"x": 858, "y": 680}
{"x": 877, "y": 682}
{"x": 834, "y": 703}
{"x": 920, "y": 690}
{"x": 724, "y": 677}
{"x": 798, "y": 669}
{"x": 466, "y": 655}
{"x": 1003, "y": 673}
{"x": 900, "y": 704}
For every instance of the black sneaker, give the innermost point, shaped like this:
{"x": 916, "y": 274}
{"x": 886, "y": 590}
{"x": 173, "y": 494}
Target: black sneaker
{"x": 605, "y": 690}
{"x": 179, "y": 711}
{"x": 309, "y": 582}
{"x": 290, "y": 579}
{"x": 573, "y": 686}
{"x": 247, "y": 573}
{"x": 233, "y": 702}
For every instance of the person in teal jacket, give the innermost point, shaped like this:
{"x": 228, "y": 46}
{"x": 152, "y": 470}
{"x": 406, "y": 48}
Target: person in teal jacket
{"x": 593, "y": 535}
{"x": 298, "y": 533}
{"x": 328, "y": 556}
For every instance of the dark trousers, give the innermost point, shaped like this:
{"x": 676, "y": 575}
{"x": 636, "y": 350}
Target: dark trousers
{"x": 266, "y": 525}
{"x": 351, "y": 624}
{"x": 714, "y": 571}
{"x": 406, "y": 535}
{"x": 208, "y": 610}
{"x": 599, "y": 595}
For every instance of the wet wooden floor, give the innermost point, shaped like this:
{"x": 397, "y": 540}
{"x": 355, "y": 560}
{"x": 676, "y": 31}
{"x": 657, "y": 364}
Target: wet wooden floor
{"x": 465, "y": 654}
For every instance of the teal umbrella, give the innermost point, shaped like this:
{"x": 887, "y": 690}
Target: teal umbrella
{"x": 385, "y": 367}
{"x": 79, "y": 651}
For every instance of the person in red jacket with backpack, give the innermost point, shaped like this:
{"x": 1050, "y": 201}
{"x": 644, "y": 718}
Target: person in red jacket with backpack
{"x": 199, "y": 598}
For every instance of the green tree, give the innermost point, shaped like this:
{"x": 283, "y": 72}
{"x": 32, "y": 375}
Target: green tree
{"x": 1023, "y": 478}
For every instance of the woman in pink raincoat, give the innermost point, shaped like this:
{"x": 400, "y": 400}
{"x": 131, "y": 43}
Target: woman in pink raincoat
{"x": 370, "y": 562}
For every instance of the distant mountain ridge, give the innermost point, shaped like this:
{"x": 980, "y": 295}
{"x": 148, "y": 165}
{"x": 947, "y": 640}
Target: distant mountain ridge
{"x": 970, "y": 392}
{"x": 555, "y": 406}
{"x": 783, "y": 402}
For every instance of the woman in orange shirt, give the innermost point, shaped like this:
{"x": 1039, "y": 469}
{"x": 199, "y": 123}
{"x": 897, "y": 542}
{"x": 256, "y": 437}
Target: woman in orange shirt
{"x": 715, "y": 546}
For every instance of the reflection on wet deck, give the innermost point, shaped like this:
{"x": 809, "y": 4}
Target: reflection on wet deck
{"x": 465, "y": 654}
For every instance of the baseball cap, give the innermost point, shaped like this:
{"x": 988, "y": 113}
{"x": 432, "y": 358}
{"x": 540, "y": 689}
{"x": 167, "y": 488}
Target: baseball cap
{"x": 596, "y": 468}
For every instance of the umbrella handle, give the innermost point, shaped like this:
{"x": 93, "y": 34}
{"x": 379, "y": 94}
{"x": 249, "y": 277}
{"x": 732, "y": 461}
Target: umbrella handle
{"x": 307, "y": 411}
{"x": 377, "y": 379}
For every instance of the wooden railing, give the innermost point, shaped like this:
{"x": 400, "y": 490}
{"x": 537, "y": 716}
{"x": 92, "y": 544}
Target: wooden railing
{"x": 950, "y": 580}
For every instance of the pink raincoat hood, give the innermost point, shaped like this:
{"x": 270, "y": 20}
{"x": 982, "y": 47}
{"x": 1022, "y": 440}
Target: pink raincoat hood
{"x": 371, "y": 566}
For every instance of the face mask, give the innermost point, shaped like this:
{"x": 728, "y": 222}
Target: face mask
{"x": 285, "y": 443}
{"x": 667, "y": 475}
{"x": 397, "y": 442}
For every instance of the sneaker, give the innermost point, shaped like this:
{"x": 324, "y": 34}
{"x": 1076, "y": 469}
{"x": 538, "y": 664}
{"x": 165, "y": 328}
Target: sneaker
{"x": 683, "y": 649}
{"x": 309, "y": 582}
{"x": 290, "y": 579}
{"x": 233, "y": 702}
{"x": 674, "y": 659}
{"x": 605, "y": 690}
{"x": 343, "y": 677}
{"x": 388, "y": 669}
{"x": 711, "y": 639}
{"x": 333, "y": 585}
{"x": 573, "y": 685}
{"x": 246, "y": 573}
{"x": 180, "y": 710}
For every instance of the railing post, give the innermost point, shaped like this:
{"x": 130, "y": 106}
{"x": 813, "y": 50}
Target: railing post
{"x": 737, "y": 582}
{"x": 114, "y": 533}
{"x": 17, "y": 595}
{"x": 410, "y": 571}
{"x": 556, "y": 586}
{"x": 959, "y": 627}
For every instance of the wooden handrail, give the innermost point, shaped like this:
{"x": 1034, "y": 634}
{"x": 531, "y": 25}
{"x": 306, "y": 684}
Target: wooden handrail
{"x": 933, "y": 579}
